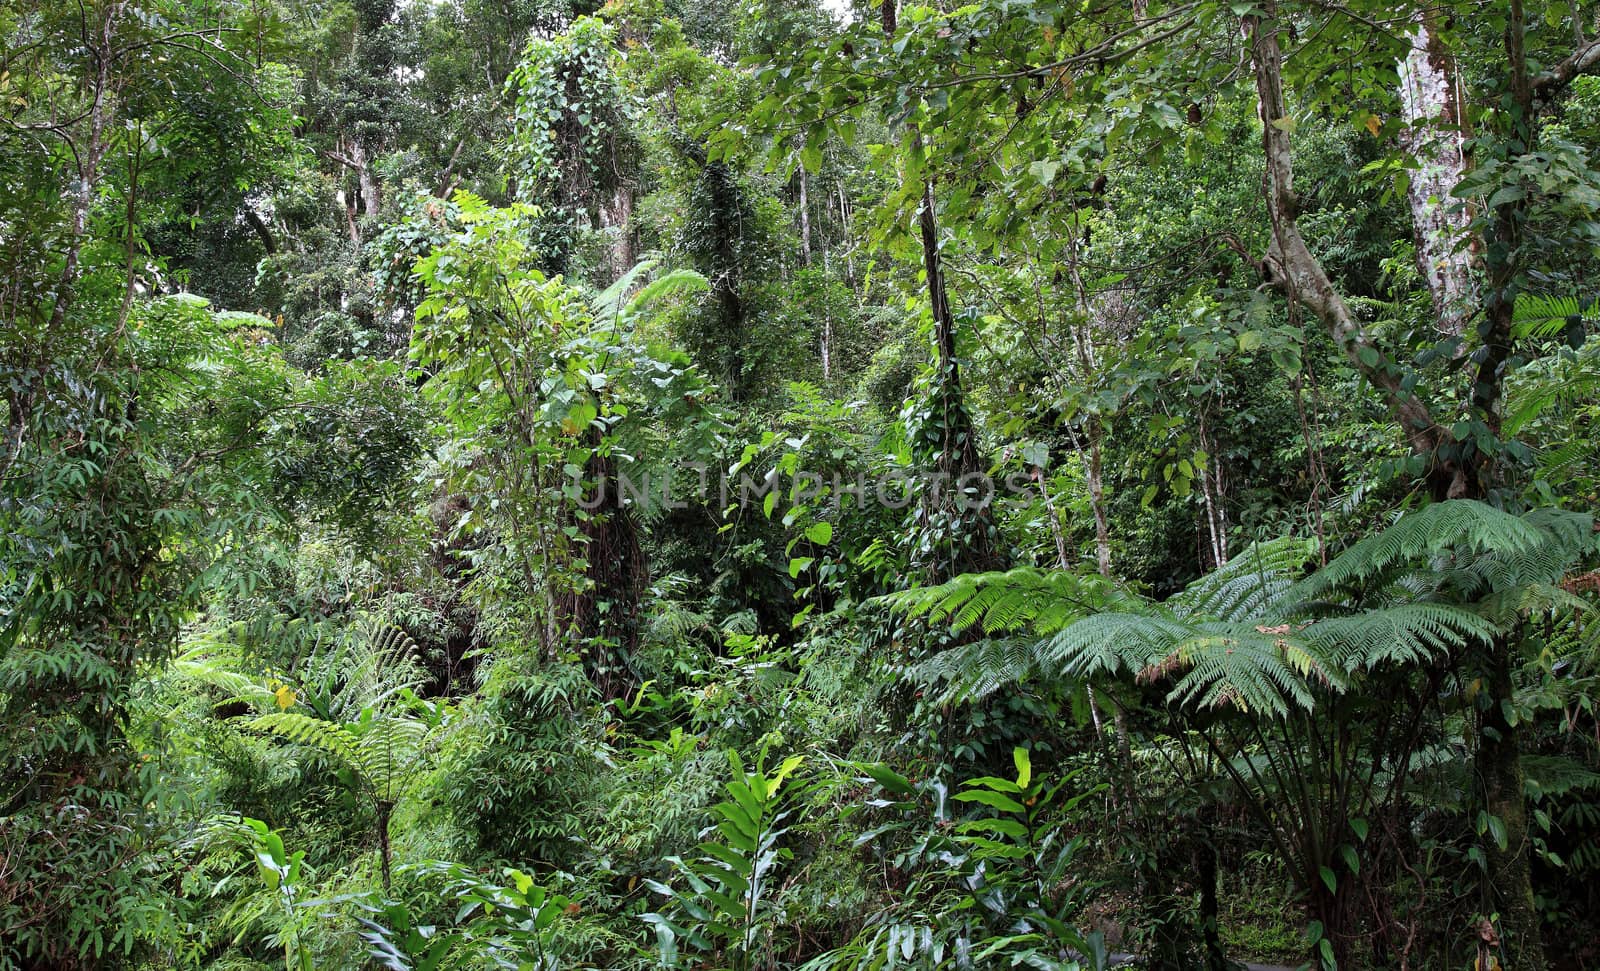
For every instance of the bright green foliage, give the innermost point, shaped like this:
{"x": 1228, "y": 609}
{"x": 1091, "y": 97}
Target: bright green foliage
{"x": 722, "y": 907}
{"x": 996, "y": 888}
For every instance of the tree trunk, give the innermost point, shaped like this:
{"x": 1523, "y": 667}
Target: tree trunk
{"x": 620, "y": 218}
{"x": 1498, "y": 765}
{"x": 1499, "y": 759}
{"x": 385, "y": 809}
{"x": 805, "y": 221}
{"x": 958, "y": 455}
{"x": 1210, "y": 924}
{"x": 1290, "y": 265}
{"x": 371, "y": 197}
{"x": 1435, "y": 131}
{"x": 102, "y": 109}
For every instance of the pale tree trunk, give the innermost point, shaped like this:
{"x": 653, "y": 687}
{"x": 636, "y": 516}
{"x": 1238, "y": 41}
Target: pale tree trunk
{"x": 805, "y": 221}
{"x": 1435, "y": 135}
{"x": 371, "y": 196}
{"x": 619, "y": 216}
{"x": 827, "y": 326}
{"x": 354, "y": 157}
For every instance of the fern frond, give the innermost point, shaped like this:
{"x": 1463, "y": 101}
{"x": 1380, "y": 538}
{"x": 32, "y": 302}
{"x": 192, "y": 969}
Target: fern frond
{"x": 675, "y": 284}
{"x": 1243, "y": 668}
{"x": 1110, "y": 643}
{"x": 327, "y": 737}
{"x": 1400, "y": 634}
{"x": 1546, "y": 315}
{"x": 608, "y": 303}
{"x": 971, "y": 672}
{"x": 1556, "y": 775}
{"x": 387, "y": 750}
{"x": 1251, "y": 583}
{"x": 1043, "y": 601}
{"x": 1458, "y": 524}
{"x": 216, "y": 664}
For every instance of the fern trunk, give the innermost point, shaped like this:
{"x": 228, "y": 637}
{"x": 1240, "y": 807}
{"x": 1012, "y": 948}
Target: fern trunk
{"x": 384, "y": 811}
{"x": 1499, "y": 769}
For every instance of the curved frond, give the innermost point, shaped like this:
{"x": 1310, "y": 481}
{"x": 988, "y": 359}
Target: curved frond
{"x": 1024, "y": 598}
{"x": 1400, "y": 634}
{"x": 609, "y": 302}
{"x": 1456, "y": 525}
{"x": 1112, "y": 642}
{"x": 675, "y": 284}
{"x": 327, "y": 737}
{"x": 971, "y": 672}
{"x": 388, "y": 750}
{"x": 1250, "y": 584}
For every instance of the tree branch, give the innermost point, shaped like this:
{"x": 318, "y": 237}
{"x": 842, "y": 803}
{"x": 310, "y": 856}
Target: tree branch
{"x": 1581, "y": 61}
{"x": 1289, "y": 263}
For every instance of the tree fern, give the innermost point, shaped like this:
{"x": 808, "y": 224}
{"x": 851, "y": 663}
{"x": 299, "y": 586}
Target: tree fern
{"x": 1547, "y": 315}
{"x": 383, "y": 751}
{"x": 1024, "y": 598}
{"x": 1249, "y": 584}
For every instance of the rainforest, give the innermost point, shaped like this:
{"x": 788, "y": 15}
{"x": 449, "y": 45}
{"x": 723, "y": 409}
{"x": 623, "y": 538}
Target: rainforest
{"x": 842, "y": 485}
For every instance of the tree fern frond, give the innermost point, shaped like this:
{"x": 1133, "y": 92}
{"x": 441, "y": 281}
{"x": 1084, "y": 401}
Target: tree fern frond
{"x": 1546, "y": 315}
{"x": 609, "y": 302}
{"x": 1404, "y": 633}
{"x": 1250, "y": 584}
{"x": 217, "y": 664}
{"x": 327, "y": 737}
{"x": 1043, "y": 601}
{"x": 1110, "y": 643}
{"x": 1433, "y": 530}
{"x": 1556, "y": 775}
{"x": 974, "y": 671}
{"x": 388, "y": 750}
{"x": 1247, "y": 669}
{"x": 675, "y": 284}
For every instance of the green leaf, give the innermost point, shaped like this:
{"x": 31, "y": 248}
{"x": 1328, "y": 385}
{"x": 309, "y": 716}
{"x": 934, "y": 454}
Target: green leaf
{"x": 820, "y": 533}
{"x": 1019, "y": 757}
{"x": 1044, "y": 170}
{"x": 988, "y": 797}
{"x": 887, "y": 778}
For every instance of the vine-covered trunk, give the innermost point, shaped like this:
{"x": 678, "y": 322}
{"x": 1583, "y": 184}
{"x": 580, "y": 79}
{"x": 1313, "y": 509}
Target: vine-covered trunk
{"x": 956, "y": 457}
{"x": 1498, "y": 766}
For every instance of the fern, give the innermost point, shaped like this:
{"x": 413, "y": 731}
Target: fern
{"x": 1249, "y": 636}
{"x": 1455, "y": 526}
{"x": 614, "y": 301}
{"x": 1251, "y": 583}
{"x": 1025, "y": 598}
{"x": 1546, "y": 315}
{"x": 382, "y": 751}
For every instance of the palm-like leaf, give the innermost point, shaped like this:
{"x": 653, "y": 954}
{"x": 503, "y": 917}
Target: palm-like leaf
{"x": 1025, "y": 598}
{"x": 382, "y": 751}
{"x": 1456, "y": 526}
{"x": 614, "y": 301}
{"x": 1249, "y": 636}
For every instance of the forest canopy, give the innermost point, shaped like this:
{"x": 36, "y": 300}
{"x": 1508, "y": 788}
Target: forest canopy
{"x": 779, "y": 484}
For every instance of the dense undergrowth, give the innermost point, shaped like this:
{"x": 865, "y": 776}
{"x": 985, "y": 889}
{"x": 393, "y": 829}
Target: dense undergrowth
{"x": 788, "y": 485}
